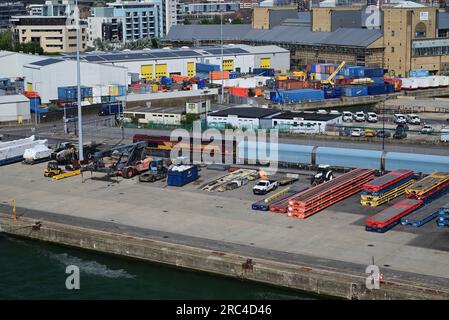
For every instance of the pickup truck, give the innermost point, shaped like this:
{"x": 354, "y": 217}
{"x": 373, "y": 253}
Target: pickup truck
{"x": 265, "y": 186}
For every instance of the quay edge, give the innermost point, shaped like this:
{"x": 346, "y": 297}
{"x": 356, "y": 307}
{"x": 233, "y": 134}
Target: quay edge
{"x": 293, "y": 276}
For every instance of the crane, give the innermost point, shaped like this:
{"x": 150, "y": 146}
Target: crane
{"x": 330, "y": 80}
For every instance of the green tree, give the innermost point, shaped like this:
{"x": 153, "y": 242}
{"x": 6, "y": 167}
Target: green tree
{"x": 6, "y": 40}
{"x": 187, "y": 21}
{"x": 217, "y": 20}
{"x": 236, "y": 20}
{"x": 30, "y": 47}
{"x": 205, "y": 21}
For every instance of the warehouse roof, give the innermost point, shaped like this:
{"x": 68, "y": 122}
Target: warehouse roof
{"x": 13, "y": 98}
{"x": 175, "y": 53}
{"x": 245, "y": 112}
{"x": 280, "y": 34}
{"x": 46, "y": 62}
{"x": 307, "y": 116}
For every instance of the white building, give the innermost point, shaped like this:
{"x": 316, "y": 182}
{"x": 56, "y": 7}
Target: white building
{"x": 14, "y": 108}
{"x": 153, "y": 64}
{"x": 244, "y": 117}
{"x": 156, "y": 115}
{"x": 12, "y": 63}
{"x": 105, "y": 29}
{"x": 46, "y": 76}
{"x": 304, "y": 122}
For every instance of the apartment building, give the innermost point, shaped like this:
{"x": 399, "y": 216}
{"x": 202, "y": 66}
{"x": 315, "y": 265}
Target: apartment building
{"x": 55, "y": 34}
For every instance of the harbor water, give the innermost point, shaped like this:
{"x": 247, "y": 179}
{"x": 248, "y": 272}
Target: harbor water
{"x": 36, "y": 270}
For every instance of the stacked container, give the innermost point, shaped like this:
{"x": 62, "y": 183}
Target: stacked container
{"x": 356, "y": 91}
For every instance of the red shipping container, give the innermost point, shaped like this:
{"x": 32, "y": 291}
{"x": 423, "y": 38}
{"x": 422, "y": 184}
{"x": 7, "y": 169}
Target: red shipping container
{"x": 241, "y": 92}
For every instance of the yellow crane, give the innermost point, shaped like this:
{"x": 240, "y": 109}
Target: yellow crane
{"x": 330, "y": 81}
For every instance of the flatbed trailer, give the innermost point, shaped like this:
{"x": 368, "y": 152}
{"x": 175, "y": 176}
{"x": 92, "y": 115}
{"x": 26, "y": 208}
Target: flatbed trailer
{"x": 388, "y": 180}
{"x": 377, "y": 200}
{"x": 427, "y": 184}
{"x": 432, "y": 194}
{"x": 264, "y": 205}
{"x": 328, "y": 193}
{"x": 426, "y": 213}
{"x": 389, "y": 217}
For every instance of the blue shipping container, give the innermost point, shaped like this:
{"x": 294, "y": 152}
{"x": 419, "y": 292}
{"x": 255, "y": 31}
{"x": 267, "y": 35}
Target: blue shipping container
{"x": 376, "y": 89}
{"x": 206, "y": 68}
{"x": 374, "y": 72}
{"x": 390, "y": 88}
{"x": 356, "y": 91}
{"x": 201, "y": 84}
{"x": 354, "y": 72}
{"x": 233, "y": 75}
{"x": 419, "y": 73}
{"x": 332, "y": 93}
{"x": 166, "y": 81}
{"x": 293, "y": 96}
{"x": 180, "y": 178}
{"x": 265, "y": 72}
{"x": 377, "y": 80}
{"x": 110, "y": 108}
{"x": 71, "y": 93}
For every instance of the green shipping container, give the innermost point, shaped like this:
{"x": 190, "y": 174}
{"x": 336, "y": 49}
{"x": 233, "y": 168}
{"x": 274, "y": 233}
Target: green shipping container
{"x": 105, "y": 99}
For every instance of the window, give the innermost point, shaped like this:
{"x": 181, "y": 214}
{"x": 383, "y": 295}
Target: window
{"x": 420, "y": 30}
{"x": 392, "y": 33}
{"x": 392, "y": 49}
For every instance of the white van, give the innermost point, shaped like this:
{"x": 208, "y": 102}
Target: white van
{"x": 399, "y": 118}
{"x": 413, "y": 119}
{"x": 347, "y": 116}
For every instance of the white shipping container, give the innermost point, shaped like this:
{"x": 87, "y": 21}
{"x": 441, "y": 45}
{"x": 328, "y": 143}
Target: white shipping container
{"x": 423, "y": 82}
{"x": 96, "y": 91}
{"x": 434, "y": 81}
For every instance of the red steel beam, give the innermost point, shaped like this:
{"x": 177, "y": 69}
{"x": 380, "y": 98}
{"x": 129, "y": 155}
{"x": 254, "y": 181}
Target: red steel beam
{"x": 387, "y": 180}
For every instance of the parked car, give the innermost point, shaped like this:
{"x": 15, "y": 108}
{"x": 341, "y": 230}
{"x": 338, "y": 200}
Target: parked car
{"x": 334, "y": 112}
{"x": 399, "y": 118}
{"x": 265, "y": 186}
{"x": 347, "y": 116}
{"x": 413, "y": 119}
{"x": 383, "y": 134}
{"x": 321, "y": 111}
{"x": 444, "y": 135}
{"x": 358, "y": 132}
{"x": 360, "y": 116}
{"x": 427, "y": 129}
{"x": 371, "y": 117}
{"x": 370, "y": 133}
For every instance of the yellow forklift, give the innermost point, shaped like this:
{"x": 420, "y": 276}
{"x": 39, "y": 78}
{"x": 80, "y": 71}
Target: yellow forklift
{"x": 52, "y": 169}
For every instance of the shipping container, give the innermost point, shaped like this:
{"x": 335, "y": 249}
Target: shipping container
{"x": 395, "y": 81}
{"x": 166, "y": 81}
{"x": 181, "y": 175}
{"x": 355, "y": 91}
{"x": 409, "y": 83}
{"x": 105, "y": 99}
{"x": 354, "y": 72}
{"x": 218, "y": 75}
{"x": 377, "y": 80}
{"x": 266, "y": 72}
{"x": 112, "y": 108}
{"x": 419, "y": 73}
{"x": 71, "y": 93}
{"x": 376, "y": 89}
{"x": 206, "y": 68}
{"x": 332, "y": 93}
{"x": 295, "y": 96}
{"x": 374, "y": 73}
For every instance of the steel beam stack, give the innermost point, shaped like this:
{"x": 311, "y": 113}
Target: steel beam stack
{"x": 326, "y": 194}
{"x": 389, "y": 217}
{"x": 386, "y": 187}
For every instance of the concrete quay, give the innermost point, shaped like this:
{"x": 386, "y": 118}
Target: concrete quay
{"x": 217, "y": 232}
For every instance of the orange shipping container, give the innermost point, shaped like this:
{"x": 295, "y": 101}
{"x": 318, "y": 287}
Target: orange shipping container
{"x": 218, "y": 75}
{"x": 236, "y": 91}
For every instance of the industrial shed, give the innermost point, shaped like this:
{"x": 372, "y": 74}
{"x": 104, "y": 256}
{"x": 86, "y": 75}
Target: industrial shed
{"x": 47, "y": 75}
{"x": 156, "y": 63}
{"x": 304, "y": 122}
{"x": 244, "y": 117}
{"x": 14, "y": 109}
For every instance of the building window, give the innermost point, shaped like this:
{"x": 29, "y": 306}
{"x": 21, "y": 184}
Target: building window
{"x": 392, "y": 33}
{"x": 420, "y": 30}
{"x": 392, "y": 49}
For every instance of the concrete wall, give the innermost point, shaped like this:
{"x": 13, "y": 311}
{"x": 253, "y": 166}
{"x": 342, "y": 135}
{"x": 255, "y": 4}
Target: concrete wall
{"x": 14, "y": 111}
{"x": 311, "y": 279}
{"x": 12, "y": 63}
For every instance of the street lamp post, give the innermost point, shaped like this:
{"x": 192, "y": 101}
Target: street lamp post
{"x": 222, "y": 71}
{"x": 78, "y": 78}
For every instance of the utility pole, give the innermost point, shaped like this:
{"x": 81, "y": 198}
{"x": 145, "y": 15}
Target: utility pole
{"x": 78, "y": 78}
{"x": 222, "y": 71}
